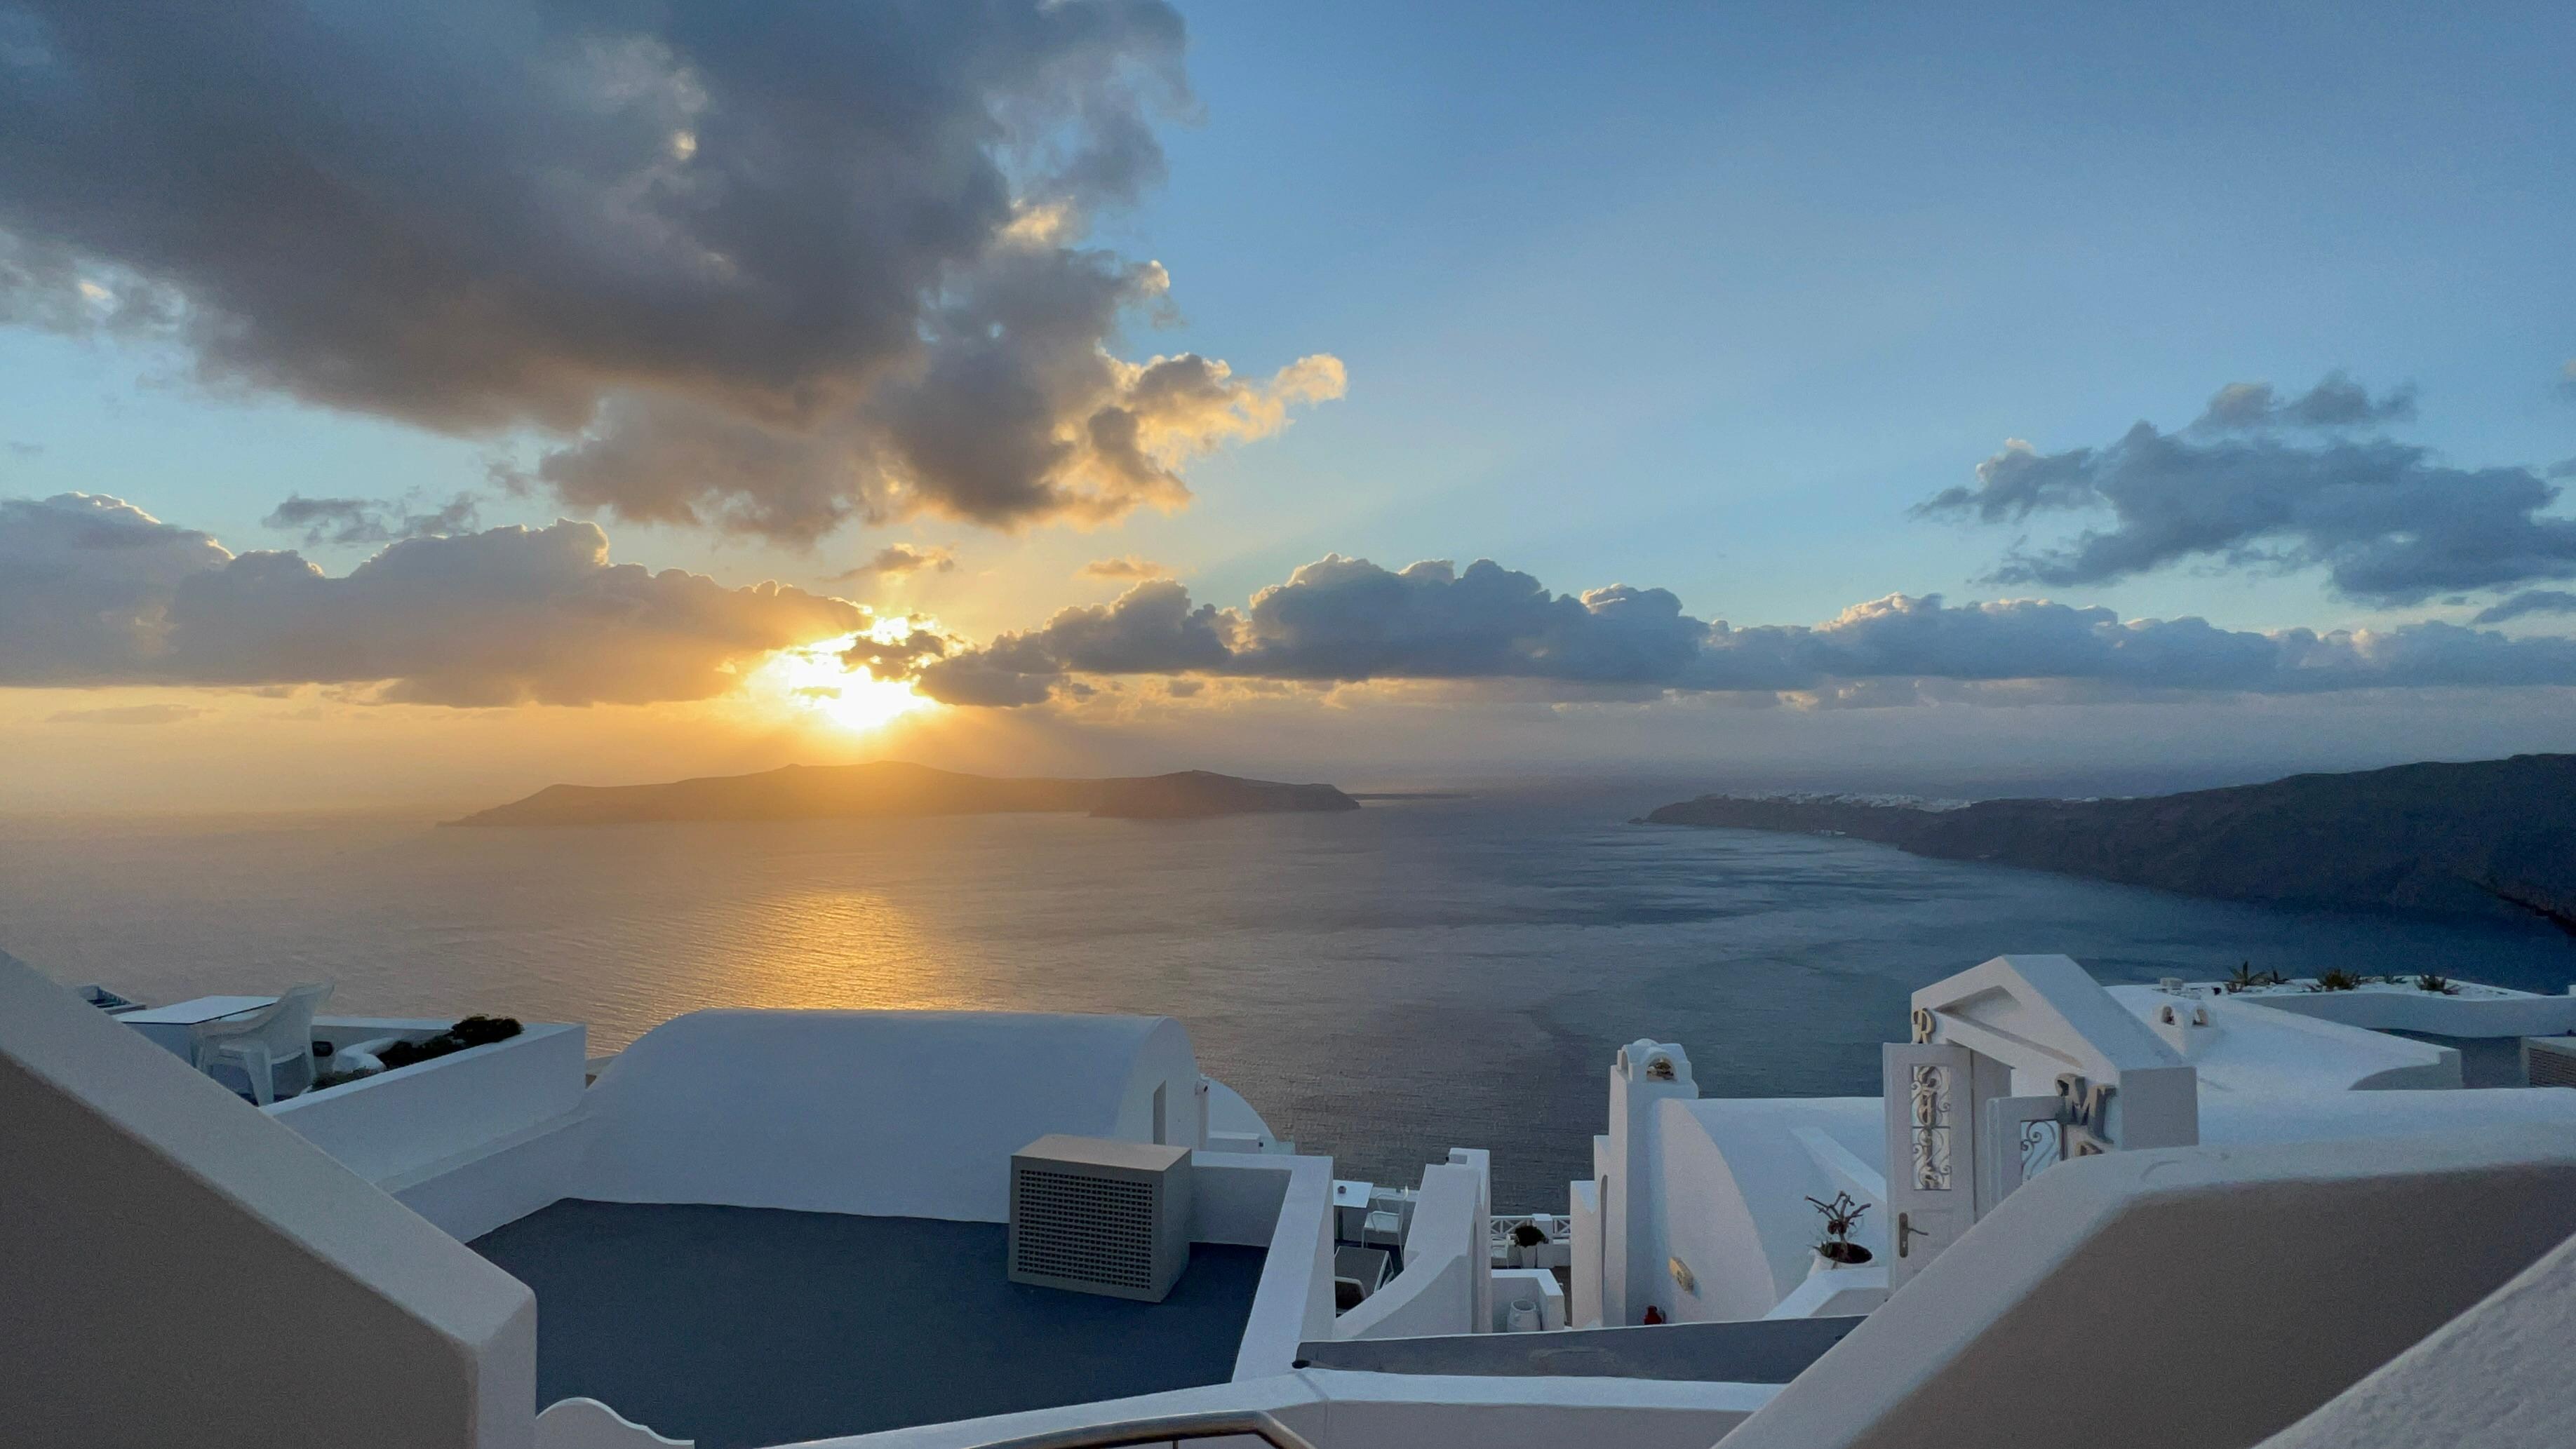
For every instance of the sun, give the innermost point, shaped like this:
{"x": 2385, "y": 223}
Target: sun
{"x": 812, "y": 680}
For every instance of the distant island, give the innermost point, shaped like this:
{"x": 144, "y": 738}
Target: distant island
{"x": 2489, "y": 838}
{"x": 810, "y": 792}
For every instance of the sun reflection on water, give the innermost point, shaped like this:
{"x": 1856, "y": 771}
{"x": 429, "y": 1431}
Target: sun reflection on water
{"x": 840, "y": 949}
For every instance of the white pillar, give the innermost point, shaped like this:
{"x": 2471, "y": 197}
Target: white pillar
{"x": 1480, "y": 1260}
{"x": 1583, "y": 1203}
{"x": 1632, "y": 1252}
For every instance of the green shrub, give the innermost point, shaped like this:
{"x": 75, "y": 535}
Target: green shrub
{"x": 473, "y": 1031}
{"x": 2439, "y": 985}
{"x": 2336, "y": 979}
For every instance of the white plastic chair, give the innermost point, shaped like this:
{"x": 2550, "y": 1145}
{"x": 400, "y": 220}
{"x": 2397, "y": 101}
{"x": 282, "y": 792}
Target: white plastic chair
{"x": 276, "y": 1035}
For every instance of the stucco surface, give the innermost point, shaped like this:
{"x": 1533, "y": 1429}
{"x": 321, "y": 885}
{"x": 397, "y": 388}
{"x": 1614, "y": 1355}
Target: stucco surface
{"x": 178, "y": 1268}
{"x": 878, "y": 1113}
{"x": 2255, "y": 1049}
{"x": 2495, "y": 1377}
{"x": 2184, "y": 1298}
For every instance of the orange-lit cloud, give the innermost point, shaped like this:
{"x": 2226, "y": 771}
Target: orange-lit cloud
{"x": 1130, "y": 566}
{"x": 94, "y": 591}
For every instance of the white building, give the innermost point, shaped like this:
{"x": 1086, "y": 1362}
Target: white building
{"x": 2176, "y": 1217}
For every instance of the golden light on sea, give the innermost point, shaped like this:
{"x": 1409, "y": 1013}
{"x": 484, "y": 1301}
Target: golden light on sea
{"x": 812, "y": 680}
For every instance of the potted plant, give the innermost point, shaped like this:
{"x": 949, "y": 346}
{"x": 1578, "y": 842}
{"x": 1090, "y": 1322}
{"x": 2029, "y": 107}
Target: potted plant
{"x": 1527, "y": 1238}
{"x": 1838, "y": 1250}
{"x": 2246, "y": 978}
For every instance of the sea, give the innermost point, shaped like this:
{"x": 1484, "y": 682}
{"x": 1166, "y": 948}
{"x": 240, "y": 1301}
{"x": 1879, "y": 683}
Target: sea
{"x": 1382, "y": 985}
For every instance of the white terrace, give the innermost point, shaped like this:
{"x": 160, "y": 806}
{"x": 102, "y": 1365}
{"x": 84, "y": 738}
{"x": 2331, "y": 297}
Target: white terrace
{"x": 2199, "y": 1218}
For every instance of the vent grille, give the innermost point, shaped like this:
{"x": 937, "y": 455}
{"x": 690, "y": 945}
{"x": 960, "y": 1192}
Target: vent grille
{"x": 1089, "y": 1229}
{"x": 2549, "y": 1062}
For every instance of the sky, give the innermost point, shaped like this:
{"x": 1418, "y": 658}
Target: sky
{"x": 1880, "y": 397}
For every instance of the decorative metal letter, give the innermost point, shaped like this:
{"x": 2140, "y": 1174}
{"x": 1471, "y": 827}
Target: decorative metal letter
{"x": 2085, "y": 1108}
{"x": 1929, "y": 1102}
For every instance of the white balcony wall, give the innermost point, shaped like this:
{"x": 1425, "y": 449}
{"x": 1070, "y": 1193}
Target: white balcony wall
{"x": 1346, "y": 1410}
{"x": 2437, "y": 1015}
{"x": 187, "y": 1271}
{"x": 399, "y": 1122}
{"x": 2495, "y": 1377}
{"x": 499, "y": 1182}
{"x": 886, "y": 1113}
{"x": 1446, "y": 1260}
{"x": 2079, "y": 1310}
{"x": 1284, "y": 1205}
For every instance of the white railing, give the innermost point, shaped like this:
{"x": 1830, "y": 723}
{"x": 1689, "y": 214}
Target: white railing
{"x": 1557, "y": 1251}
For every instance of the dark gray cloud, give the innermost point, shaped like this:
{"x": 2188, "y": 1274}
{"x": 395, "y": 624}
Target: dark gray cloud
{"x": 766, "y": 268}
{"x": 896, "y": 560}
{"x": 2387, "y": 522}
{"x": 94, "y": 591}
{"x": 351, "y": 522}
{"x": 2335, "y": 402}
{"x": 2529, "y": 602}
{"x": 1344, "y": 620}
{"x": 1152, "y": 629}
{"x": 895, "y": 658}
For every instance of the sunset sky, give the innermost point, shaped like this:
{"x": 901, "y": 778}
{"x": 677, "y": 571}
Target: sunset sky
{"x": 1356, "y": 392}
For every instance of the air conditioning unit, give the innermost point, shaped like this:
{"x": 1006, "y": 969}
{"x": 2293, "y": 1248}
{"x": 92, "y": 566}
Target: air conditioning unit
{"x": 1098, "y": 1215}
{"x": 2549, "y": 1061}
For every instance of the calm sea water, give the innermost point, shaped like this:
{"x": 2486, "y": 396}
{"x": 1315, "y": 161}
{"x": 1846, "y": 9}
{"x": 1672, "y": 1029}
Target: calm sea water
{"x": 1381, "y": 985}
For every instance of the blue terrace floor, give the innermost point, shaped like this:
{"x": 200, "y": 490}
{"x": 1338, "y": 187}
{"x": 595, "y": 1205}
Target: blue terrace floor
{"x": 744, "y": 1327}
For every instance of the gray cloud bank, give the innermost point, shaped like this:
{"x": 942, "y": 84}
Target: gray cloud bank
{"x": 763, "y": 267}
{"x": 347, "y": 522}
{"x": 1348, "y": 620}
{"x": 2267, "y": 482}
{"x": 94, "y": 591}
{"x": 2527, "y": 603}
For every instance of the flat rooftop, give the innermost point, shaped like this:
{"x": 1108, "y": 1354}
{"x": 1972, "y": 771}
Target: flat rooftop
{"x": 741, "y": 1327}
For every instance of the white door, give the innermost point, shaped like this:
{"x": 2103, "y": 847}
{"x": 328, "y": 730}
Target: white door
{"x": 2018, "y": 1139}
{"x": 1931, "y": 1153}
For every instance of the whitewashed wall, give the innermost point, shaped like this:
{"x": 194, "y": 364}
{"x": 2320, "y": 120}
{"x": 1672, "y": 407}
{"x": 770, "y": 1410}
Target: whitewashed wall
{"x": 395, "y": 1123}
{"x": 2434, "y": 1014}
{"x": 903, "y": 1114}
{"x": 177, "y": 1268}
{"x": 1630, "y": 1160}
{"x": 2495, "y": 1377}
{"x": 1346, "y": 1410}
{"x": 1446, "y": 1285}
{"x": 1283, "y": 1204}
{"x": 2082, "y": 1310}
